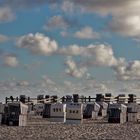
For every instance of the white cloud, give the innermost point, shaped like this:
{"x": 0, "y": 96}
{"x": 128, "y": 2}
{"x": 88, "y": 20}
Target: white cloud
{"x": 101, "y": 54}
{"x": 71, "y": 50}
{"x": 22, "y": 83}
{"x": 56, "y": 22}
{"x": 10, "y": 61}
{"x": 127, "y": 70}
{"x": 47, "y": 80}
{"x": 101, "y": 7}
{"x": 49, "y": 85}
{"x": 6, "y": 14}
{"x": 37, "y": 44}
{"x": 121, "y": 22}
{"x": 105, "y": 7}
{"x": 126, "y": 25}
{"x": 96, "y": 86}
{"x": 86, "y": 33}
{"x": 86, "y": 87}
{"x": 73, "y": 70}
{"x": 3, "y": 38}
{"x": 68, "y": 6}
{"x": 125, "y": 14}
{"x": 67, "y": 83}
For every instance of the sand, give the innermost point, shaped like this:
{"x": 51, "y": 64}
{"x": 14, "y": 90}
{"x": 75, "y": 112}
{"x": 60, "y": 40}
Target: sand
{"x": 89, "y": 130}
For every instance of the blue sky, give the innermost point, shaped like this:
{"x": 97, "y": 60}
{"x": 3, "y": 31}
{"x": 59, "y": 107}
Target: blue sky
{"x": 68, "y": 44}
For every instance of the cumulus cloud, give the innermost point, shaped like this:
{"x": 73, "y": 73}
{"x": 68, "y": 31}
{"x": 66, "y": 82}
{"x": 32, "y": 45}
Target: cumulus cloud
{"x": 127, "y": 70}
{"x": 3, "y": 38}
{"x": 101, "y": 54}
{"x": 121, "y": 19}
{"x": 86, "y": 33}
{"x": 96, "y": 55}
{"x": 126, "y": 22}
{"x": 72, "y": 50}
{"x": 125, "y": 14}
{"x": 37, "y": 44}
{"x": 56, "y": 22}
{"x": 105, "y": 7}
{"x": 126, "y": 25}
{"x": 6, "y": 14}
{"x": 73, "y": 70}
{"x": 10, "y": 61}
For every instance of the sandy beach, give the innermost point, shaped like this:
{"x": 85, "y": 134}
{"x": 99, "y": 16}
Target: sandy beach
{"x": 89, "y": 130}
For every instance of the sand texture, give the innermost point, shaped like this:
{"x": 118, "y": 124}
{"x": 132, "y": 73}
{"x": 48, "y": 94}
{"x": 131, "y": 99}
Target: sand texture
{"x": 89, "y": 130}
